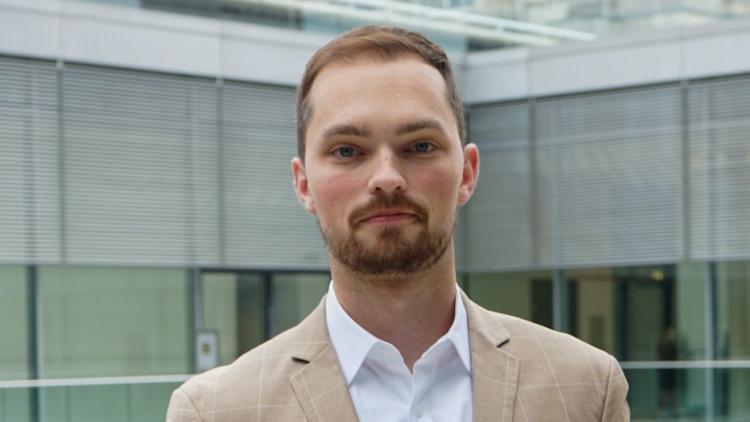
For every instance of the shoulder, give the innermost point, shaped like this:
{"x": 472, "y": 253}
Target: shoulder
{"x": 551, "y": 357}
{"x": 270, "y": 359}
{"x": 258, "y": 378}
{"x": 588, "y": 381}
{"x": 531, "y": 341}
{"x": 535, "y": 346}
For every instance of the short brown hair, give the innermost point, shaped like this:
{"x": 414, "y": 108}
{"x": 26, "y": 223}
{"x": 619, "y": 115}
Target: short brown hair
{"x": 385, "y": 43}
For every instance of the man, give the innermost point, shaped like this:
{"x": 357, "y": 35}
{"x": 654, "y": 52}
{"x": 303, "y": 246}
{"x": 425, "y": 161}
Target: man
{"x": 383, "y": 165}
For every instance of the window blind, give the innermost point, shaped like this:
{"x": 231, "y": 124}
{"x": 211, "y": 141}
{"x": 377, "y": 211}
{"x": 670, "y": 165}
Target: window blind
{"x": 499, "y": 216}
{"x": 141, "y": 167}
{"x": 265, "y": 225}
{"x": 30, "y": 225}
{"x": 610, "y": 180}
{"x": 719, "y": 168}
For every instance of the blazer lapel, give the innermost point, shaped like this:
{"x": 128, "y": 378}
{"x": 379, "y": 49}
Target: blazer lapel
{"x": 494, "y": 372}
{"x": 320, "y": 386}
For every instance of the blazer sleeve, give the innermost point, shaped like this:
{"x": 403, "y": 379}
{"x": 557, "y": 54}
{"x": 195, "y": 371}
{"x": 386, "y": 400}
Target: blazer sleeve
{"x": 181, "y": 408}
{"x": 616, "y": 407}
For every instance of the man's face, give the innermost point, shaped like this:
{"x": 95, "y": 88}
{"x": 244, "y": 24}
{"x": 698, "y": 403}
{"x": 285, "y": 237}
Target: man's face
{"x": 384, "y": 169}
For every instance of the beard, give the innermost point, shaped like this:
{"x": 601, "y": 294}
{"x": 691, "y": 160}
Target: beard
{"x": 394, "y": 253}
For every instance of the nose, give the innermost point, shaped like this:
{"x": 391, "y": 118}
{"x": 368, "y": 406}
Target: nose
{"x": 386, "y": 176}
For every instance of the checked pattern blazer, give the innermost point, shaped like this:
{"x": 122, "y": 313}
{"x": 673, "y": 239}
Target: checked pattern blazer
{"x": 520, "y": 372}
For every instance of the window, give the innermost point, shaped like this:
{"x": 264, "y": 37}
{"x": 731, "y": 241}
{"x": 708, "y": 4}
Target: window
{"x": 526, "y": 295}
{"x": 295, "y": 295}
{"x": 234, "y": 307}
{"x": 107, "y": 321}
{"x": 14, "y": 323}
{"x": 643, "y": 313}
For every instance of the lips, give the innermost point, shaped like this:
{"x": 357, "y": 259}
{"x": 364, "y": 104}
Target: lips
{"x": 393, "y": 209}
{"x": 388, "y": 216}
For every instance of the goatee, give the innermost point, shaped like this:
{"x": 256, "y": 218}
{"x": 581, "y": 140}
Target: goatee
{"x": 394, "y": 254}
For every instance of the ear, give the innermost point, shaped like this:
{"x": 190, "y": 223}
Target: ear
{"x": 301, "y": 187}
{"x": 470, "y": 173}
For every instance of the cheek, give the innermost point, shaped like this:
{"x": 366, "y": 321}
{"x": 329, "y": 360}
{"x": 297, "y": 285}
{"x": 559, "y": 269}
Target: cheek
{"x": 440, "y": 187}
{"x": 333, "y": 194}
{"x": 446, "y": 176}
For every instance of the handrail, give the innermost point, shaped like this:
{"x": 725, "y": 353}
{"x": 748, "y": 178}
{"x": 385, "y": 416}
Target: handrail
{"x": 69, "y": 382}
{"x": 686, "y": 364}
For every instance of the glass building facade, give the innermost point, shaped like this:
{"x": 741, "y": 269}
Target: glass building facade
{"x": 141, "y": 211}
{"x": 454, "y": 22}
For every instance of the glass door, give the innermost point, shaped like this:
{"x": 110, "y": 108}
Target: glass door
{"x": 234, "y": 313}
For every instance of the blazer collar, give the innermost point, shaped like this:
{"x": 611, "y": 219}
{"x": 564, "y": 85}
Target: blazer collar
{"x": 322, "y": 391}
{"x": 319, "y": 385}
{"x": 494, "y": 372}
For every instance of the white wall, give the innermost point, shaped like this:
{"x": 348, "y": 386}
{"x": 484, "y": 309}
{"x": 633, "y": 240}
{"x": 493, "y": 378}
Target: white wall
{"x": 627, "y": 60}
{"x": 143, "y": 39}
{"x": 159, "y": 41}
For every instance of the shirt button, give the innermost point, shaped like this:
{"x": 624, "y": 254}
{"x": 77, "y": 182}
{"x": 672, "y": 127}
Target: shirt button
{"x": 418, "y": 411}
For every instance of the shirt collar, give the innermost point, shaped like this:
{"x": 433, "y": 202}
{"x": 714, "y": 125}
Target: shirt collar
{"x": 353, "y": 343}
{"x": 458, "y": 334}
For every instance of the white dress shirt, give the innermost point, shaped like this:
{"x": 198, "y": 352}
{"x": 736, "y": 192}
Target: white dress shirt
{"x": 382, "y": 387}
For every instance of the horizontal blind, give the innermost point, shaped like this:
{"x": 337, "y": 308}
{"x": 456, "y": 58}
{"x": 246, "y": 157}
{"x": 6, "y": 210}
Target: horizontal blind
{"x": 141, "y": 167}
{"x": 609, "y": 171}
{"x": 30, "y": 223}
{"x": 265, "y": 225}
{"x": 499, "y": 216}
{"x": 719, "y": 150}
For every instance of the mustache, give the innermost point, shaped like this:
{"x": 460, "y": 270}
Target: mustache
{"x": 383, "y": 201}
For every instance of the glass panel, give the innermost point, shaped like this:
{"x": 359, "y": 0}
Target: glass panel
{"x": 667, "y": 394}
{"x": 16, "y": 404}
{"x": 14, "y": 328}
{"x": 599, "y": 17}
{"x": 527, "y": 295}
{"x": 733, "y": 310}
{"x": 233, "y": 306}
{"x": 148, "y": 402}
{"x": 732, "y": 394}
{"x": 294, "y": 296}
{"x": 640, "y": 313}
{"x": 85, "y": 403}
{"x": 111, "y": 403}
{"x": 101, "y": 321}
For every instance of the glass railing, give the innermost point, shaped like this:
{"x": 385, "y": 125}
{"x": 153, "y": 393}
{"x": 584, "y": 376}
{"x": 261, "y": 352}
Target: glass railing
{"x": 86, "y": 400}
{"x": 689, "y": 394}
{"x": 659, "y": 391}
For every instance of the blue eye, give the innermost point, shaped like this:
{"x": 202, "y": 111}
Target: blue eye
{"x": 423, "y": 147}
{"x": 345, "y": 152}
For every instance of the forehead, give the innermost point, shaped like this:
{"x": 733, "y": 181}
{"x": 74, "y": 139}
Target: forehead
{"x": 371, "y": 91}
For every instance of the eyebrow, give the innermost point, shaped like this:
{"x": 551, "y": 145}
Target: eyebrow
{"x": 345, "y": 130}
{"x": 419, "y": 125}
{"x": 350, "y": 129}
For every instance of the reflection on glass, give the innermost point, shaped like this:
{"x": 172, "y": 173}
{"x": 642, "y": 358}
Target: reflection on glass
{"x": 295, "y": 295}
{"x": 233, "y": 306}
{"x": 527, "y": 295}
{"x": 14, "y": 328}
{"x": 102, "y": 321}
{"x": 667, "y": 394}
{"x": 16, "y": 404}
{"x": 733, "y": 310}
{"x": 111, "y": 403}
{"x": 732, "y": 394}
{"x": 640, "y": 313}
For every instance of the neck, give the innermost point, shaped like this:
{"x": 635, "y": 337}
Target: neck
{"x": 410, "y": 311}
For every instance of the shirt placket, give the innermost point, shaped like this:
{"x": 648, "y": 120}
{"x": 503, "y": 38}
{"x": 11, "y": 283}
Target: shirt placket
{"x": 424, "y": 375}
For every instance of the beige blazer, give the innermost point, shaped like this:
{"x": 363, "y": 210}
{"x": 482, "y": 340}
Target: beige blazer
{"x": 520, "y": 372}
